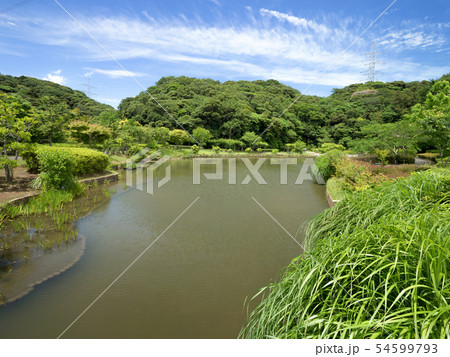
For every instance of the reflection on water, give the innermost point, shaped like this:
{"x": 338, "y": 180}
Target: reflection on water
{"x": 193, "y": 282}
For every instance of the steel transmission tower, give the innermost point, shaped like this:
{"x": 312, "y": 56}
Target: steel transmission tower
{"x": 371, "y": 63}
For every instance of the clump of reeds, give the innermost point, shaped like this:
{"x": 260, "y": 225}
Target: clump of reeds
{"x": 377, "y": 266}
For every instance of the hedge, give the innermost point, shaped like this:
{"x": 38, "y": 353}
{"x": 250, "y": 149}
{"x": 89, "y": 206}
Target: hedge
{"x": 86, "y": 160}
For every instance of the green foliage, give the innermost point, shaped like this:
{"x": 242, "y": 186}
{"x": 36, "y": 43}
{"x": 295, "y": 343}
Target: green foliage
{"x": 89, "y": 134}
{"x": 57, "y": 167}
{"x": 356, "y": 175}
{"x": 382, "y": 155}
{"x": 399, "y": 137}
{"x": 370, "y": 270}
{"x": 201, "y": 135}
{"x": 53, "y": 117}
{"x": 326, "y": 164}
{"x": 33, "y": 90}
{"x": 228, "y": 143}
{"x": 248, "y": 150}
{"x": 178, "y": 137}
{"x": 298, "y": 146}
{"x": 29, "y": 154}
{"x": 250, "y": 139}
{"x": 86, "y": 161}
{"x": 429, "y": 156}
{"x": 216, "y": 149}
{"x": 326, "y": 147}
{"x": 15, "y": 124}
{"x": 161, "y": 135}
{"x": 434, "y": 116}
{"x": 195, "y": 149}
{"x": 275, "y": 151}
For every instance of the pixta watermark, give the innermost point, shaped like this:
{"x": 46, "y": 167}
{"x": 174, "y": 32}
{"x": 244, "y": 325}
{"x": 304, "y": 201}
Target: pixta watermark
{"x": 145, "y": 180}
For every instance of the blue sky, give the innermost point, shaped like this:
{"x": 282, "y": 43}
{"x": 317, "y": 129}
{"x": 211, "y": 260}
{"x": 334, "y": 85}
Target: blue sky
{"x": 295, "y": 42}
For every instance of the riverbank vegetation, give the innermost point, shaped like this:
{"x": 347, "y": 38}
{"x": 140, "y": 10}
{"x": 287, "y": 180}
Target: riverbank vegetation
{"x": 377, "y": 265}
{"x": 383, "y": 119}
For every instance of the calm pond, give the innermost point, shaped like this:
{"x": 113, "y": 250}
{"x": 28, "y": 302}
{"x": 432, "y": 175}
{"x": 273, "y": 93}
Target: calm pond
{"x": 194, "y": 280}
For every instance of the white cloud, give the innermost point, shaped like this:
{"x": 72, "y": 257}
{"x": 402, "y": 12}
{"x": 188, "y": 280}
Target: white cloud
{"x": 294, "y": 50}
{"x": 408, "y": 39}
{"x": 113, "y": 73}
{"x": 55, "y": 77}
{"x": 296, "y": 21}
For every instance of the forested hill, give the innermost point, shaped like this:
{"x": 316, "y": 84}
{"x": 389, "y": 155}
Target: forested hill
{"x": 33, "y": 89}
{"x": 230, "y": 109}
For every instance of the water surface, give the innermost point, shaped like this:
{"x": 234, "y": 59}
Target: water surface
{"x": 193, "y": 281}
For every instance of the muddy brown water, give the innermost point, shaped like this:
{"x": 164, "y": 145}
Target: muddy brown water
{"x": 193, "y": 281}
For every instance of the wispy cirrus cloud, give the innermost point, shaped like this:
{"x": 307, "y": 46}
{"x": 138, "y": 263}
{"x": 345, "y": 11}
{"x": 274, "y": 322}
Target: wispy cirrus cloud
{"x": 113, "y": 73}
{"x": 407, "y": 39}
{"x": 296, "y": 21}
{"x": 293, "y": 49}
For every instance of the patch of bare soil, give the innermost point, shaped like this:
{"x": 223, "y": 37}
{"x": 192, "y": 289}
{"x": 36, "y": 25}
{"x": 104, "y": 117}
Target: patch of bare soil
{"x": 20, "y": 186}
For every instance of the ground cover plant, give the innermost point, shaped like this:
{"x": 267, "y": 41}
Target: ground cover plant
{"x": 377, "y": 265}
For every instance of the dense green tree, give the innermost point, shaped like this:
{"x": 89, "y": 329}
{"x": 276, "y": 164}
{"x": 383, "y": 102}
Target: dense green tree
{"x": 399, "y": 137}
{"x": 89, "y": 134}
{"x": 201, "y": 135}
{"x": 161, "y": 135}
{"x": 434, "y": 116}
{"x": 53, "y": 117}
{"x": 16, "y": 121}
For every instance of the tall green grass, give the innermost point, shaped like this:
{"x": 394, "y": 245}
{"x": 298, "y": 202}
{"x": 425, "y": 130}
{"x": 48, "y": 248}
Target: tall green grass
{"x": 377, "y": 266}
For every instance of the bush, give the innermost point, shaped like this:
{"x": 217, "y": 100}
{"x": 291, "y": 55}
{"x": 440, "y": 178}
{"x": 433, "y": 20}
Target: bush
{"x": 298, "y": 146}
{"x": 326, "y": 164}
{"x": 326, "y": 147}
{"x": 248, "y": 150}
{"x": 275, "y": 151}
{"x": 57, "y": 167}
{"x": 400, "y": 159}
{"x": 29, "y": 154}
{"x": 87, "y": 161}
{"x": 228, "y": 143}
{"x": 195, "y": 149}
{"x": 134, "y": 149}
{"x": 216, "y": 149}
{"x": 356, "y": 175}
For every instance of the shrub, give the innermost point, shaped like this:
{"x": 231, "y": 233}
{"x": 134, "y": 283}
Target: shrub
{"x": 195, "y": 149}
{"x": 356, "y": 175}
{"x": 86, "y": 160}
{"x": 228, "y": 143}
{"x": 57, "y": 167}
{"x": 326, "y": 164}
{"x": 259, "y": 150}
{"x": 298, "y": 146}
{"x": 326, "y": 147}
{"x": 382, "y": 155}
{"x": 134, "y": 149}
{"x": 275, "y": 151}
{"x": 248, "y": 150}
{"x": 397, "y": 159}
{"x": 29, "y": 154}
{"x": 216, "y": 149}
